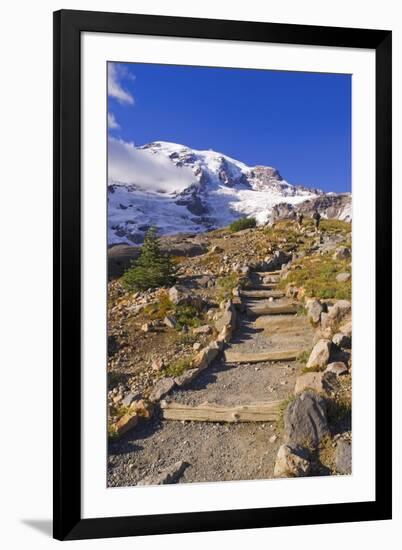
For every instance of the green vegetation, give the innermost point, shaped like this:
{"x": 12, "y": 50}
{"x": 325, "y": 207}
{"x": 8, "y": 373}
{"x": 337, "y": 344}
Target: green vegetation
{"x": 303, "y": 356}
{"x": 242, "y": 223}
{"x": 185, "y": 314}
{"x": 152, "y": 269}
{"x": 178, "y": 367}
{"x": 226, "y": 285}
{"x": 317, "y": 275}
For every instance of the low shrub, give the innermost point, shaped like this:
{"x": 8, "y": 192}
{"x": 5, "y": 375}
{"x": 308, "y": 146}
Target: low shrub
{"x": 242, "y": 223}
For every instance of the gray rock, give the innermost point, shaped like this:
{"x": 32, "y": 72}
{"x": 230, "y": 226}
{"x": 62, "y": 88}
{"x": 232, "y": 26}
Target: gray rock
{"x": 187, "y": 377}
{"x": 130, "y": 398}
{"x": 314, "y": 310}
{"x": 319, "y": 356}
{"x": 342, "y": 341}
{"x": 338, "y": 368}
{"x": 291, "y": 463}
{"x": 343, "y": 277}
{"x": 169, "y": 475}
{"x": 161, "y": 389}
{"x": 305, "y": 420}
{"x": 343, "y": 459}
{"x": 204, "y": 329}
{"x": 226, "y": 317}
{"x": 343, "y": 253}
{"x": 170, "y": 322}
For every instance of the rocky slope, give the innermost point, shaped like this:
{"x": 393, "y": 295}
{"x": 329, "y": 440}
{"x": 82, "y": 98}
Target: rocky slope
{"x": 179, "y": 189}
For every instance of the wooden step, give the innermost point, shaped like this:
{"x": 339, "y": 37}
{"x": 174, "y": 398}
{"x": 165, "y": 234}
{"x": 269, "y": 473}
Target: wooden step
{"x": 261, "y": 356}
{"x": 267, "y": 273}
{"x": 263, "y": 411}
{"x": 257, "y": 286}
{"x": 262, "y": 294}
{"x": 271, "y": 309}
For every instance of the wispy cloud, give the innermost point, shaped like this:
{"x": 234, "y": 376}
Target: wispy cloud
{"x": 116, "y": 74}
{"x": 112, "y": 122}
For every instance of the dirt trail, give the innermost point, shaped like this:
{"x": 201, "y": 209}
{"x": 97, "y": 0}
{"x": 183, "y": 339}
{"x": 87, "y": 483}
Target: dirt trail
{"x": 218, "y": 451}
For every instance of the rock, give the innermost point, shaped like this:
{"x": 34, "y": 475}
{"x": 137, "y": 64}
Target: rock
{"x": 342, "y": 253}
{"x": 187, "y": 377}
{"x": 339, "y": 310}
{"x": 291, "y": 463}
{"x": 216, "y": 249}
{"x": 169, "y": 475}
{"x": 343, "y": 457}
{"x": 178, "y": 294}
{"x": 158, "y": 364}
{"x": 225, "y": 334}
{"x": 146, "y": 327}
{"x": 197, "y": 346}
{"x": 338, "y": 368}
{"x": 343, "y": 277}
{"x": 342, "y": 341}
{"x": 130, "y": 398}
{"x": 204, "y": 329}
{"x": 346, "y": 328}
{"x": 314, "y": 310}
{"x": 170, "y": 322}
{"x": 273, "y": 438}
{"x": 305, "y": 420}
{"x": 227, "y": 317}
{"x": 319, "y": 356}
{"x": 161, "y": 389}
{"x": 126, "y": 423}
{"x": 319, "y": 382}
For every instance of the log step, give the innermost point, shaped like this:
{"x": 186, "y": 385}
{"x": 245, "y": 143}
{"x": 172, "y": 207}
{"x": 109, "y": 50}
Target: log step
{"x": 271, "y": 309}
{"x": 257, "y": 286}
{"x": 262, "y": 411}
{"x": 262, "y": 294}
{"x": 262, "y": 356}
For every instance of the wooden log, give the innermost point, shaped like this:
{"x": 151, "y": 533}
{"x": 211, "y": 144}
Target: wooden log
{"x": 262, "y": 294}
{"x": 264, "y": 411}
{"x": 274, "y": 309}
{"x": 262, "y": 356}
{"x": 260, "y": 286}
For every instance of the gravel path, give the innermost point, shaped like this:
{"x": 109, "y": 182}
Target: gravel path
{"x": 219, "y": 452}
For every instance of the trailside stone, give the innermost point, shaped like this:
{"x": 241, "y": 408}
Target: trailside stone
{"x": 319, "y": 382}
{"x": 126, "y": 423}
{"x": 130, "y": 398}
{"x": 305, "y": 420}
{"x": 342, "y": 253}
{"x": 170, "y": 322}
{"x": 178, "y": 294}
{"x": 169, "y": 475}
{"x": 187, "y": 377}
{"x": 339, "y": 310}
{"x": 346, "y": 328}
{"x": 343, "y": 277}
{"x": 291, "y": 463}
{"x": 343, "y": 457}
{"x": 342, "y": 341}
{"x": 337, "y": 367}
{"x": 314, "y": 310}
{"x": 319, "y": 356}
{"x": 204, "y": 329}
{"x": 161, "y": 388}
{"x": 226, "y": 317}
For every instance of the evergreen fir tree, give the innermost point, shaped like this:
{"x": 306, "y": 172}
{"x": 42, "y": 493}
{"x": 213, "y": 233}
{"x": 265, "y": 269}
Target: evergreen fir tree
{"x": 152, "y": 268}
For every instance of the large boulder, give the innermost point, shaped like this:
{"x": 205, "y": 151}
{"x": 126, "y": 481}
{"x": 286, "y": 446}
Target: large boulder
{"x": 305, "y": 420}
{"x": 180, "y": 295}
{"x": 320, "y": 353}
{"x": 342, "y": 340}
{"x": 291, "y": 463}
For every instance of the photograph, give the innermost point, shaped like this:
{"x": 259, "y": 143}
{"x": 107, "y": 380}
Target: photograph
{"x": 229, "y": 317}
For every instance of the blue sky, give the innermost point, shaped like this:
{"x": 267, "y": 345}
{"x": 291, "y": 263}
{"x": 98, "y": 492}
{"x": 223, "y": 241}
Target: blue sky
{"x": 300, "y": 123}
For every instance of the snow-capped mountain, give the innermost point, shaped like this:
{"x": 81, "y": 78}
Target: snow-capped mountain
{"x": 181, "y": 190}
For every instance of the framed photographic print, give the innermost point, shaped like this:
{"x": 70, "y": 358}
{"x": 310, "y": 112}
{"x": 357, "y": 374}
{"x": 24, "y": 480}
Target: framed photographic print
{"x": 214, "y": 183}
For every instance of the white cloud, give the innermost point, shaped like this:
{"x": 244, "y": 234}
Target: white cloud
{"x": 148, "y": 171}
{"x": 115, "y": 88}
{"x": 112, "y": 122}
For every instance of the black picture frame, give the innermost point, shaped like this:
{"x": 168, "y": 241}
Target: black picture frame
{"x": 68, "y": 522}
